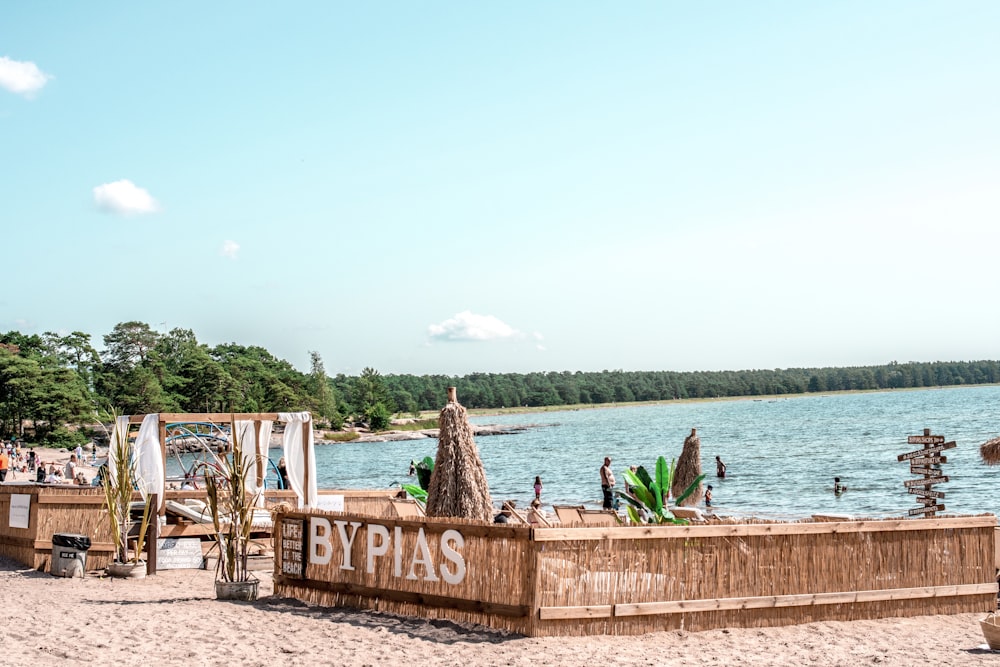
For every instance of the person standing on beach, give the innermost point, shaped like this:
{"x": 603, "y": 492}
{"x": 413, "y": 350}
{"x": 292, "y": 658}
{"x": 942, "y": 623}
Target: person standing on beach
{"x": 538, "y": 487}
{"x": 720, "y": 468}
{"x": 70, "y": 472}
{"x": 607, "y": 484}
{"x": 4, "y": 463}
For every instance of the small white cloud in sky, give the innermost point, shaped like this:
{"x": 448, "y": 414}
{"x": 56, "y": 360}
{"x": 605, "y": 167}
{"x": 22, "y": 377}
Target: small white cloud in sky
{"x": 230, "y": 249}
{"x": 538, "y": 341}
{"x": 23, "y": 78}
{"x": 467, "y": 326}
{"x": 124, "y": 197}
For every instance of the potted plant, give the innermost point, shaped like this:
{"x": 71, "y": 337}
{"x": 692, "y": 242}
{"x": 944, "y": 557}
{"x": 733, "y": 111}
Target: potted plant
{"x": 119, "y": 484}
{"x": 645, "y": 494}
{"x": 232, "y": 505}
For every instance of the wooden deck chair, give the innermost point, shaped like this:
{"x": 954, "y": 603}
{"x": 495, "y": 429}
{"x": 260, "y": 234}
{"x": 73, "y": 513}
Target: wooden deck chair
{"x": 568, "y": 514}
{"x": 692, "y": 514}
{"x": 599, "y": 518}
{"x": 508, "y": 506}
{"x": 536, "y": 518}
{"x": 407, "y": 509}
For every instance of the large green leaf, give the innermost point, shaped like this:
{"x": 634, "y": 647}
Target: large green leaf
{"x": 644, "y": 476}
{"x": 657, "y": 493}
{"x": 415, "y": 491}
{"x": 691, "y": 489}
{"x": 633, "y": 515}
{"x": 663, "y": 477}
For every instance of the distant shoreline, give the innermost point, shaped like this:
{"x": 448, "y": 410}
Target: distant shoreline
{"x": 487, "y": 412}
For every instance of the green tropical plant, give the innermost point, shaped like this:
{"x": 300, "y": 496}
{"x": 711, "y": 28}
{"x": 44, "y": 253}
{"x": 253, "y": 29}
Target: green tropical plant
{"x": 424, "y": 469}
{"x": 118, "y": 487}
{"x": 232, "y": 504}
{"x": 645, "y": 502}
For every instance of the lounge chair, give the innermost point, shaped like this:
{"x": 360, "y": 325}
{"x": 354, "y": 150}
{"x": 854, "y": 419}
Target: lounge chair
{"x": 599, "y": 517}
{"x": 407, "y": 509}
{"x": 568, "y": 515}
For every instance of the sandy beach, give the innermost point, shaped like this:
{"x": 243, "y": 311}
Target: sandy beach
{"x": 173, "y": 618}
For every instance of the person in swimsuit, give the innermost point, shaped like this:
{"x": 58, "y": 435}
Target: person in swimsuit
{"x": 720, "y": 468}
{"x": 608, "y": 484}
{"x": 838, "y": 488}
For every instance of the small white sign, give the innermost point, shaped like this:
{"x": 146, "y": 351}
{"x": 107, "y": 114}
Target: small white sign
{"x": 330, "y": 503}
{"x": 178, "y": 553}
{"x": 20, "y": 510}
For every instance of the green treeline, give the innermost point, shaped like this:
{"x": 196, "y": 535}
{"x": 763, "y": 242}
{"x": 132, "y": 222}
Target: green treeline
{"x": 50, "y": 381}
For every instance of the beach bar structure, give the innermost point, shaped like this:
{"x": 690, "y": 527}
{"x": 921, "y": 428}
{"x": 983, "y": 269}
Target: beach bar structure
{"x": 569, "y": 581}
{"x": 30, "y": 514}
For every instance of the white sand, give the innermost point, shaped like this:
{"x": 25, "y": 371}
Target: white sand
{"x": 173, "y": 618}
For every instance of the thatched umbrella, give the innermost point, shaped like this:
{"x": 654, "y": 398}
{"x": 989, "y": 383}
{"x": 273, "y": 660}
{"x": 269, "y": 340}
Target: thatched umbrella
{"x": 990, "y": 452}
{"x": 688, "y": 469}
{"x": 458, "y": 485}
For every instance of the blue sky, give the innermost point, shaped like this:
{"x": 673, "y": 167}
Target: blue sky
{"x": 451, "y": 187}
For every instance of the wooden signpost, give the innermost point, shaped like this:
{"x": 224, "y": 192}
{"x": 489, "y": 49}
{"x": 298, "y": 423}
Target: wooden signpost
{"x": 926, "y": 462}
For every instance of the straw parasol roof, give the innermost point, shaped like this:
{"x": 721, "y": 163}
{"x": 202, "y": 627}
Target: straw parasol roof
{"x": 990, "y": 452}
{"x": 458, "y": 485}
{"x": 688, "y": 469}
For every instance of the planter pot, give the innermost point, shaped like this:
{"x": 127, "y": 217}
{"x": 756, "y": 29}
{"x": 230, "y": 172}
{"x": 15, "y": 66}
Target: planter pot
{"x": 991, "y": 630}
{"x": 127, "y": 570}
{"x": 236, "y": 590}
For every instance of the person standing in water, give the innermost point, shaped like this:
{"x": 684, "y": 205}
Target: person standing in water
{"x": 838, "y": 488}
{"x": 607, "y": 484}
{"x": 720, "y": 468}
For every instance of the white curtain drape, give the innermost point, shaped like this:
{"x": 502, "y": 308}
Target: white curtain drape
{"x": 296, "y": 459}
{"x": 149, "y": 459}
{"x": 254, "y": 450}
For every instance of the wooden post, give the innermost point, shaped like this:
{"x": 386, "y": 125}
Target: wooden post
{"x": 163, "y": 460}
{"x": 152, "y": 535}
{"x": 307, "y": 459}
{"x": 261, "y": 472}
{"x": 452, "y": 395}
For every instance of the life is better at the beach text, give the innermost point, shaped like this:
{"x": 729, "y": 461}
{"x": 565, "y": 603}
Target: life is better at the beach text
{"x": 378, "y": 541}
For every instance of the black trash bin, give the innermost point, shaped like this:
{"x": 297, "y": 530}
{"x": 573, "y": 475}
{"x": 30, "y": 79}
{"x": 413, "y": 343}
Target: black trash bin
{"x": 69, "y": 555}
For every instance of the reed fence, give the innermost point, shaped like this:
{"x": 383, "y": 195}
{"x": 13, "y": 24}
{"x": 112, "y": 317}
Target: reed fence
{"x": 631, "y": 580}
{"x": 80, "y": 510}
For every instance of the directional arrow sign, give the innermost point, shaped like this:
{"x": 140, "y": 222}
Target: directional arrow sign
{"x": 926, "y": 510}
{"x": 924, "y": 482}
{"x": 930, "y": 472}
{"x": 926, "y": 493}
{"x": 925, "y": 439}
{"x": 929, "y": 460}
{"x": 927, "y": 450}
{"x": 927, "y": 501}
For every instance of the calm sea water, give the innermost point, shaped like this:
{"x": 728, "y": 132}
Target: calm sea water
{"x": 782, "y": 454}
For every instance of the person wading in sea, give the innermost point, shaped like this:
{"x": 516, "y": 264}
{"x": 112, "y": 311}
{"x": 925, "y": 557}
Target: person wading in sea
{"x": 720, "y": 468}
{"x": 607, "y": 483}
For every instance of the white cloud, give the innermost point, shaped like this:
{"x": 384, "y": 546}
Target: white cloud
{"x": 230, "y": 249}
{"x": 467, "y": 326}
{"x": 124, "y": 197}
{"x": 23, "y": 78}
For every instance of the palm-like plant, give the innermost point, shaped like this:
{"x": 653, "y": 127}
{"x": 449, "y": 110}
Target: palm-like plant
{"x": 118, "y": 486}
{"x": 647, "y": 493}
{"x": 232, "y": 506}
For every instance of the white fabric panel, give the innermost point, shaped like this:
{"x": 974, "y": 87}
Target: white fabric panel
{"x": 149, "y": 458}
{"x": 254, "y": 449}
{"x": 297, "y": 461}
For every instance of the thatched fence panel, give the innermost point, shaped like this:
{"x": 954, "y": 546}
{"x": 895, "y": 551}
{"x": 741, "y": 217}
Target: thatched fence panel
{"x": 55, "y": 509}
{"x": 400, "y": 580}
{"x": 629, "y": 580}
